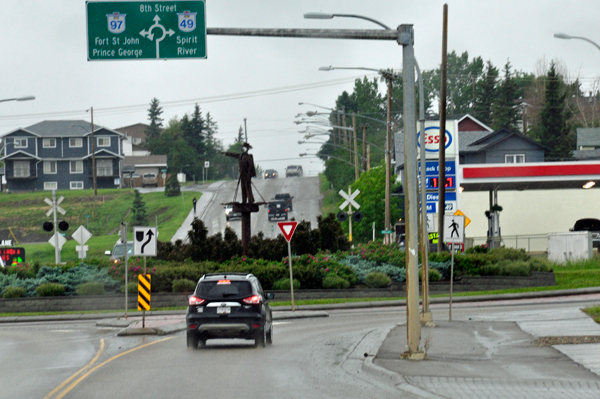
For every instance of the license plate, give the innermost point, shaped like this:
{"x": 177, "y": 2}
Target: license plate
{"x": 223, "y": 310}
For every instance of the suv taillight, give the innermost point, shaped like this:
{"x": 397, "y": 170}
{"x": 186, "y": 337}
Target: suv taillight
{"x": 252, "y": 300}
{"x": 195, "y": 301}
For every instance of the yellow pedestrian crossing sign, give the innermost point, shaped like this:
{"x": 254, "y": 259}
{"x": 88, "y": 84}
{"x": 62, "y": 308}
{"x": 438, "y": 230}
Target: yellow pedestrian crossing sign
{"x": 467, "y": 220}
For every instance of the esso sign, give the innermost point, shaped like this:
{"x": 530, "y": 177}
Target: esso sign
{"x": 432, "y": 139}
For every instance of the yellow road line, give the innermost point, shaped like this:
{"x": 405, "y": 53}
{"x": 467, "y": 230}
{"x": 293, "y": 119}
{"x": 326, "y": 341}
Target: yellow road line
{"x": 74, "y": 384}
{"x": 65, "y": 382}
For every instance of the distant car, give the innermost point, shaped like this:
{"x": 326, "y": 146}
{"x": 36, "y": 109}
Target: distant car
{"x": 287, "y": 198}
{"x": 118, "y": 253}
{"x": 229, "y": 305}
{"x": 293, "y": 171}
{"x": 270, "y": 174}
{"x": 149, "y": 179}
{"x": 277, "y": 209}
{"x": 230, "y": 214}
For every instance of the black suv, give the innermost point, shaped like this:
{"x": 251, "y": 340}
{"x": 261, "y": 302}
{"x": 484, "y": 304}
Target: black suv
{"x": 277, "y": 209}
{"x": 229, "y": 305}
{"x": 285, "y": 197}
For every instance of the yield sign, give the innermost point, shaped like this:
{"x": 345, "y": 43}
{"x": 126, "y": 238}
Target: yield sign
{"x": 287, "y": 228}
{"x": 349, "y": 199}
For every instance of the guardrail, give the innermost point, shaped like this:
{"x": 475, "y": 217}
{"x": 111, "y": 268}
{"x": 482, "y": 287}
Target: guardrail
{"x": 530, "y": 243}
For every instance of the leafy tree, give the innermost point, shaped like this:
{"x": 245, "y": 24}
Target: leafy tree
{"x": 504, "y": 110}
{"x": 372, "y": 204}
{"x": 139, "y": 213}
{"x": 172, "y": 187}
{"x": 554, "y": 129}
{"x": 154, "y": 113}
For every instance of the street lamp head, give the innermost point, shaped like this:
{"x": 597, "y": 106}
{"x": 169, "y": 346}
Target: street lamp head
{"x": 26, "y": 98}
{"x": 303, "y": 154}
{"x": 326, "y": 68}
{"x": 317, "y": 15}
{"x": 562, "y": 36}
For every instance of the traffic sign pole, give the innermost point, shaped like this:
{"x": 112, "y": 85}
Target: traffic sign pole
{"x": 288, "y": 229}
{"x": 291, "y": 274}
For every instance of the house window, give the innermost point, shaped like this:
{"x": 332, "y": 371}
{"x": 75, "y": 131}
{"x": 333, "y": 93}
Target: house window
{"x": 49, "y": 143}
{"x": 75, "y": 142}
{"x": 514, "y": 158}
{"x": 49, "y": 167}
{"x": 20, "y": 143}
{"x": 103, "y": 141}
{"x": 104, "y": 167}
{"x": 50, "y": 185}
{"x": 76, "y": 185}
{"x": 137, "y": 140}
{"x": 21, "y": 169}
{"x": 76, "y": 166}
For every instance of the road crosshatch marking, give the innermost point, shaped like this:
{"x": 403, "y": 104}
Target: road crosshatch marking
{"x": 130, "y": 30}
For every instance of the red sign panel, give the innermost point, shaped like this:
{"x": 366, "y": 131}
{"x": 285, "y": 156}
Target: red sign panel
{"x": 287, "y": 228}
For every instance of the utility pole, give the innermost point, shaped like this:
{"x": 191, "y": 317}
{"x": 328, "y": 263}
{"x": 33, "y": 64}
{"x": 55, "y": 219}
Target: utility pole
{"x": 388, "y": 157}
{"x": 93, "y": 155}
{"x": 245, "y": 131}
{"x": 356, "y": 167}
{"x": 442, "y": 148}
{"x": 364, "y": 148}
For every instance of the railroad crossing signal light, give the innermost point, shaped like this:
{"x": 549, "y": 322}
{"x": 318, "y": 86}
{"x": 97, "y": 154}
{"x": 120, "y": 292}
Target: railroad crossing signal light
{"x": 48, "y": 226}
{"x": 342, "y": 216}
{"x": 62, "y": 226}
{"x": 357, "y": 216}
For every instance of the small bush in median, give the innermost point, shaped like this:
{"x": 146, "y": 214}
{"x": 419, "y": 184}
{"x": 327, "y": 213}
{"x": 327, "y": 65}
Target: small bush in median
{"x": 332, "y": 280}
{"x": 284, "y": 284}
{"x": 90, "y": 289}
{"x": 50, "y": 289}
{"x": 183, "y": 285}
{"x": 377, "y": 280}
{"x": 14, "y": 292}
{"x": 132, "y": 288}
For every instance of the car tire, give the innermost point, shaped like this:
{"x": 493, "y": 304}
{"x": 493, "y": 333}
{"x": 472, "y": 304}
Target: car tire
{"x": 192, "y": 341}
{"x": 286, "y": 217}
{"x": 261, "y": 338}
{"x": 270, "y": 336}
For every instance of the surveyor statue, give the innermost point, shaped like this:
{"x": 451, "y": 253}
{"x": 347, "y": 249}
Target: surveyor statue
{"x": 247, "y": 172}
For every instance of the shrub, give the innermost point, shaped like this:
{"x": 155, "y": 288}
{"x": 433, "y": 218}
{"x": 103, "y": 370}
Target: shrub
{"x": 132, "y": 288}
{"x": 183, "y": 285}
{"x": 377, "y": 280}
{"x": 22, "y": 270}
{"x": 90, "y": 289}
{"x": 540, "y": 265}
{"x": 434, "y": 275}
{"x": 442, "y": 268}
{"x": 284, "y": 284}
{"x": 332, "y": 280}
{"x": 363, "y": 267}
{"x": 50, "y": 289}
{"x": 14, "y": 292}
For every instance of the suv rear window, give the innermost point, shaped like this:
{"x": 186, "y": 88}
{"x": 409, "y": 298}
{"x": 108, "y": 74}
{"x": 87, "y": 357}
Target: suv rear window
{"x": 223, "y": 289}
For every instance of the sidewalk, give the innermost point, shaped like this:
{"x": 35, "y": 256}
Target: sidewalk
{"x": 186, "y": 226}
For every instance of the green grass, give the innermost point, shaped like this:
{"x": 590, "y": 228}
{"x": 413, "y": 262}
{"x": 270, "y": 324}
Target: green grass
{"x": 329, "y": 202}
{"x": 26, "y": 213}
{"x": 594, "y": 313}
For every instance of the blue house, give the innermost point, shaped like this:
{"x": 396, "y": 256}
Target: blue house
{"x": 57, "y": 155}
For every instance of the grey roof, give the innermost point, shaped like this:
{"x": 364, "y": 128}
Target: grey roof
{"x": 588, "y": 137}
{"x": 137, "y": 130}
{"x": 586, "y": 155}
{"x": 68, "y": 128}
{"x": 158, "y": 160}
{"x": 466, "y": 140}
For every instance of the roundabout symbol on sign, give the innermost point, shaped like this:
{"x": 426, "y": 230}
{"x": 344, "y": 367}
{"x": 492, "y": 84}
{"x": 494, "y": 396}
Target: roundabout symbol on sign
{"x": 148, "y": 34}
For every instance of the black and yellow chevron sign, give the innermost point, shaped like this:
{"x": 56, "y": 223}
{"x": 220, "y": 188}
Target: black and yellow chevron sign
{"x": 144, "y": 291}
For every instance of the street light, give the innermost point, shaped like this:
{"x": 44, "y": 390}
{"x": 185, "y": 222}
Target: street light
{"x": 323, "y": 15}
{"x": 24, "y": 98}
{"x": 569, "y": 37}
{"x": 389, "y": 77}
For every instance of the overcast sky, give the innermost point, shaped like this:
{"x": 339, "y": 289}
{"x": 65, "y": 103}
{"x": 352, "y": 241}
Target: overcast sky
{"x": 44, "y": 53}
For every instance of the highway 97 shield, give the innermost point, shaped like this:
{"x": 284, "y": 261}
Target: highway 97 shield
{"x": 146, "y": 30}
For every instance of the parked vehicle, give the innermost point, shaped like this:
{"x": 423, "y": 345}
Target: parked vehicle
{"x": 230, "y": 214}
{"x": 276, "y": 209}
{"x": 589, "y": 224}
{"x": 230, "y": 305}
{"x": 270, "y": 174}
{"x": 287, "y": 198}
{"x": 293, "y": 171}
{"x": 149, "y": 179}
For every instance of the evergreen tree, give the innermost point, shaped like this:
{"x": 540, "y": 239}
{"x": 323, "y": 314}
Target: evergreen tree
{"x": 140, "y": 215}
{"x": 172, "y": 187}
{"x": 154, "y": 113}
{"x": 504, "y": 110}
{"x": 486, "y": 92}
{"x": 554, "y": 129}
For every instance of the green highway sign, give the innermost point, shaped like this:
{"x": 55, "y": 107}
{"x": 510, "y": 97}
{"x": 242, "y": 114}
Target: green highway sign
{"x": 146, "y": 30}
{"x": 387, "y": 231}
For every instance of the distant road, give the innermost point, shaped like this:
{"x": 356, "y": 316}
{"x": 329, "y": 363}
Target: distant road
{"x": 306, "y": 203}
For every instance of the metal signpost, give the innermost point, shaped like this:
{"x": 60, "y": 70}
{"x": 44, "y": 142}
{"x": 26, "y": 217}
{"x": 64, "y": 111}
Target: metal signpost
{"x": 454, "y": 233}
{"x": 57, "y": 240}
{"x": 349, "y": 202}
{"x": 144, "y": 244}
{"x": 288, "y": 228}
{"x": 149, "y": 30}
